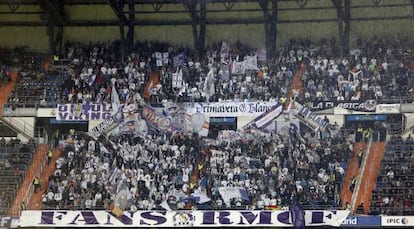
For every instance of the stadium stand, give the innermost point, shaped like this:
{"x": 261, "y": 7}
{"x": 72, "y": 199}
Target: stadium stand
{"x": 393, "y": 192}
{"x": 157, "y": 170}
{"x": 361, "y": 75}
{"x": 270, "y": 170}
{"x": 14, "y": 161}
{"x": 143, "y": 160}
{"x": 87, "y": 80}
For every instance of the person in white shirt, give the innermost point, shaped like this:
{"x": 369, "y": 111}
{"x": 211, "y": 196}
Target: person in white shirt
{"x": 340, "y": 97}
{"x": 50, "y": 196}
{"x": 355, "y": 97}
{"x": 58, "y": 197}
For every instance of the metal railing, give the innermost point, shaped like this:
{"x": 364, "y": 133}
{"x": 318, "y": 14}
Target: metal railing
{"x": 21, "y": 126}
{"x": 394, "y": 129}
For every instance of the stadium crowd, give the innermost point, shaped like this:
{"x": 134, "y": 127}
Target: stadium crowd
{"x": 155, "y": 171}
{"x": 379, "y": 69}
{"x": 274, "y": 169}
{"x": 376, "y": 70}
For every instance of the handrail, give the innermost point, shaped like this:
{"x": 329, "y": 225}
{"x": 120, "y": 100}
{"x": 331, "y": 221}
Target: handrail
{"x": 361, "y": 172}
{"x": 394, "y": 129}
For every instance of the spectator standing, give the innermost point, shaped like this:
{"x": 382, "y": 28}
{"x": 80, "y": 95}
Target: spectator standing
{"x": 56, "y": 136}
{"x": 360, "y": 209}
{"x": 359, "y": 133}
{"x": 360, "y": 156}
{"x": 36, "y": 183}
{"x": 49, "y": 156}
{"x": 353, "y": 182}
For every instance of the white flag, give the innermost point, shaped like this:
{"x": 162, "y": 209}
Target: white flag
{"x": 250, "y": 62}
{"x": 238, "y": 67}
{"x": 115, "y": 100}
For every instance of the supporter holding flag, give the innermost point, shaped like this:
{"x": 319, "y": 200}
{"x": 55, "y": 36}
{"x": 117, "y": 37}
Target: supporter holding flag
{"x": 209, "y": 87}
{"x": 298, "y": 216}
{"x": 115, "y": 99}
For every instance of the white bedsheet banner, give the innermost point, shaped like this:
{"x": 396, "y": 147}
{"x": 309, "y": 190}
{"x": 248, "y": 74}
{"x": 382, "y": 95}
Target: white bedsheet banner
{"x": 232, "y": 109}
{"x": 62, "y": 218}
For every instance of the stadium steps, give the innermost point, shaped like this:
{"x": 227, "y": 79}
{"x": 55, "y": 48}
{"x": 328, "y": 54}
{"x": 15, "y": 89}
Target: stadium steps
{"x": 149, "y": 84}
{"x": 6, "y": 90}
{"x": 353, "y": 170}
{"x": 35, "y": 202}
{"x": 372, "y": 166}
{"x": 297, "y": 84}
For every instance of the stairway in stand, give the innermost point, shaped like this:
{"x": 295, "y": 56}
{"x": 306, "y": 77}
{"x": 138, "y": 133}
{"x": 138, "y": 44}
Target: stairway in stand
{"x": 297, "y": 84}
{"x": 372, "y": 167}
{"x": 353, "y": 170}
{"x": 35, "y": 202}
{"x": 6, "y": 90}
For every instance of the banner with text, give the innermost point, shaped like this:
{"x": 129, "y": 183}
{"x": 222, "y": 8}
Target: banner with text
{"x": 362, "y": 221}
{"x": 159, "y": 121}
{"x": 309, "y": 116}
{"x": 62, "y": 218}
{"x": 107, "y": 124}
{"x": 364, "y": 106}
{"x": 397, "y": 221}
{"x": 85, "y": 111}
{"x": 233, "y": 109}
{"x": 263, "y": 120}
{"x": 388, "y": 108}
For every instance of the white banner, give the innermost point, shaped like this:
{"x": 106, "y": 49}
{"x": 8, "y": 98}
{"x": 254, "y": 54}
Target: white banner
{"x": 86, "y": 111}
{"x": 397, "y": 221}
{"x": 309, "y": 116}
{"x": 161, "y": 58}
{"x": 251, "y": 62}
{"x": 233, "y": 109}
{"x": 244, "y": 218}
{"x": 269, "y": 117}
{"x": 238, "y": 68}
{"x": 261, "y": 55}
{"x": 224, "y": 52}
{"x": 177, "y": 79}
{"x": 101, "y": 128}
{"x": 388, "y": 108}
{"x": 409, "y": 121}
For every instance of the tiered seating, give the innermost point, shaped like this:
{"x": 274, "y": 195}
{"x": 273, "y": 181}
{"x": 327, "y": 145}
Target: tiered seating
{"x": 14, "y": 160}
{"x": 394, "y": 188}
{"x": 276, "y": 170}
{"x": 29, "y": 92}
